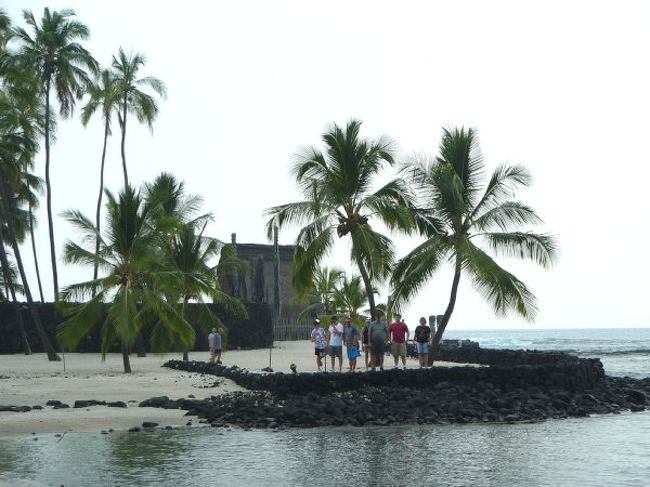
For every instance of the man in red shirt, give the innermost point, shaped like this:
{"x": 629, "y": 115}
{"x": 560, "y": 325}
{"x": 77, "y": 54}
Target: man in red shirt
{"x": 398, "y": 334}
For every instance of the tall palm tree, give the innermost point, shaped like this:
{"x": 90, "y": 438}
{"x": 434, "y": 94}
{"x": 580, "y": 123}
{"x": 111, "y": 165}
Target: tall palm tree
{"x": 132, "y": 99}
{"x": 54, "y": 52}
{"x": 11, "y": 288}
{"x": 132, "y": 280}
{"x": 17, "y": 148}
{"x": 321, "y": 296}
{"x": 103, "y": 98}
{"x": 460, "y": 213}
{"x": 336, "y": 185}
{"x": 30, "y": 189}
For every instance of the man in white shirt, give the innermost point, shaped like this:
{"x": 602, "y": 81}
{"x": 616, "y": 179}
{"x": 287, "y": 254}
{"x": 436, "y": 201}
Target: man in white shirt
{"x": 335, "y": 333}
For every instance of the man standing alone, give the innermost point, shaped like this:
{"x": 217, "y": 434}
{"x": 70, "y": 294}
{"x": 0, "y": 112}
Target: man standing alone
{"x": 399, "y": 334}
{"x": 336, "y": 341}
{"x": 214, "y": 342}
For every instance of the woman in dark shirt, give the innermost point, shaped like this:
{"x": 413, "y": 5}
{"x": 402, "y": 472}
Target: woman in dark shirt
{"x": 364, "y": 341}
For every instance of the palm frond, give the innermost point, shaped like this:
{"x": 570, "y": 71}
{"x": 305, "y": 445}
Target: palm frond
{"x": 538, "y": 248}
{"x": 502, "y": 290}
{"x": 508, "y": 215}
{"x": 412, "y": 272}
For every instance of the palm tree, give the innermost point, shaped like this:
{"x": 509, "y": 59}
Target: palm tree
{"x": 190, "y": 276}
{"x": 5, "y": 29}
{"x": 336, "y": 185}
{"x": 53, "y": 51}
{"x": 460, "y": 212}
{"x": 187, "y": 257}
{"x": 350, "y": 297}
{"x": 30, "y": 189}
{"x": 131, "y": 98}
{"x": 132, "y": 285}
{"x": 103, "y": 97}
{"x": 8, "y": 283}
{"x": 17, "y": 149}
{"x": 321, "y": 296}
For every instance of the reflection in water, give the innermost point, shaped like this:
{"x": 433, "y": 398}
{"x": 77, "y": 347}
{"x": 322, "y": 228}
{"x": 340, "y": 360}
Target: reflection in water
{"x": 596, "y": 451}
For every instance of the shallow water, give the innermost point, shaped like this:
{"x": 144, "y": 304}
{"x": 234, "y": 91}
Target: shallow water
{"x": 602, "y": 450}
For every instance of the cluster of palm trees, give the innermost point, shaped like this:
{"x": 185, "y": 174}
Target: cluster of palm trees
{"x": 335, "y": 293}
{"x": 444, "y": 200}
{"x": 153, "y": 257}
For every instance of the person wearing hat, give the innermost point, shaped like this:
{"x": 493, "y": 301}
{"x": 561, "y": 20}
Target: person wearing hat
{"x": 318, "y": 338}
{"x": 336, "y": 341}
{"x": 214, "y": 342}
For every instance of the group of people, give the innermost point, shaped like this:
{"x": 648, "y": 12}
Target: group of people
{"x": 373, "y": 340}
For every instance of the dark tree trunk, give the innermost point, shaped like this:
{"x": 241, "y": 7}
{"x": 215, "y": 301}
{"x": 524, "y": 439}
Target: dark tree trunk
{"x": 186, "y": 353}
{"x": 8, "y": 209}
{"x": 48, "y": 192}
{"x": 450, "y": 309}
{"x": 125, "y": 358}
{"x": 368, "y": 284}
{"x": 36, "y": 268}
{"x": 99, "y": 200}
{"x": 139, "y": 343}
{"x": 9, "y": 284}
{"x": 123, "y": 126}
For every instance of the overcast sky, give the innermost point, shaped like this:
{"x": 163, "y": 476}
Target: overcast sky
{"x": 560, "y": 87}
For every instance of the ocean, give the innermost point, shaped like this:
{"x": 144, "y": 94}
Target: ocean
{"x": 600, "y": 450}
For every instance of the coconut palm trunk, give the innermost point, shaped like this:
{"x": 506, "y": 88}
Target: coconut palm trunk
{"x": 435, "y": 343}
{"x": 186, "y": 353}
{"x": 99, "y": 198}
{"x": 36, "y": 267}
{"x": 47, "y": 345}
{"x": 14, "y": 302}
{"x": 126, "y": 361}
{"x": 368, "y": 285}
{"x": 48, "y": 189}
{"x": 123, "y": 127}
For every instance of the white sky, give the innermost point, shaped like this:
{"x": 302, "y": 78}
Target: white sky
{"x": 561, "y": 87}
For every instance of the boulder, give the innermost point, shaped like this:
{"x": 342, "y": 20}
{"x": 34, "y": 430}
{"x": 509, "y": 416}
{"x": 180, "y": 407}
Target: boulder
{"x": 155, "y": 402}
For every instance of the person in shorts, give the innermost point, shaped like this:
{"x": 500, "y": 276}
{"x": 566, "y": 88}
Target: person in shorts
{"x": 318, "y": 338}
{"x": 335, "y": 338}
{"x": 351, "y": 341}
{"x": 421, "y": 339}
{"x": 398, "y": 334}
{"x": 377, "y": 336}
{"x": 214, "y": 343}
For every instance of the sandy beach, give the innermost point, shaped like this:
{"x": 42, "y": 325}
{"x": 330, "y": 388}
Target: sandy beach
{"x": 33, "y": 380}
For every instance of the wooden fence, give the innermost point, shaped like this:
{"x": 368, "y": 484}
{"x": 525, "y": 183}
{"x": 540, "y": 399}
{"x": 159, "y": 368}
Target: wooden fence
{"x": 288, "y": 329}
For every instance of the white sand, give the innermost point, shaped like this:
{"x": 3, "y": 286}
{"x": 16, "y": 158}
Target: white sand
{"x": 33, "y": 380}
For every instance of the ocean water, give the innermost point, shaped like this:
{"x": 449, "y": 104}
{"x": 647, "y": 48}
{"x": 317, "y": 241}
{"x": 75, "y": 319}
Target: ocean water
{"x": 607, "y": 450}
{"x": 623, "y": 351}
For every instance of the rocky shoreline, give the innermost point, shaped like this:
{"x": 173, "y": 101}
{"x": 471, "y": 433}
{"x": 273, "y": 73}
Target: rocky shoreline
{"x": 509, "y": 387}
{"x": 536, "y": 386}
